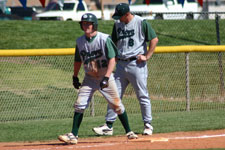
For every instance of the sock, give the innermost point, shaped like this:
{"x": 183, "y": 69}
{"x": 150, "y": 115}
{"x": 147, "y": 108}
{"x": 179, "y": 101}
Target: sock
{"x": 124, "y": 120}
{"x": 109, "y": 124}
{"x": 77, "y": 119}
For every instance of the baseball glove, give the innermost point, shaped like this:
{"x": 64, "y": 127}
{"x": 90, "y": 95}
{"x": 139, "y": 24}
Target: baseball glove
{"x": 76, "y": 82}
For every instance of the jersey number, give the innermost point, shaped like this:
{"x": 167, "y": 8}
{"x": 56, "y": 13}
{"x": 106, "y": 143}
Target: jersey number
{"x": 131, "y": 42}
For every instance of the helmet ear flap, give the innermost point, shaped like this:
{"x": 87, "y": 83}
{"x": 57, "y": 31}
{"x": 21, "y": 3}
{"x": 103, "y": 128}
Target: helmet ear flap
{"x": 81, "y": 25}
{"x": 95, "y": 26}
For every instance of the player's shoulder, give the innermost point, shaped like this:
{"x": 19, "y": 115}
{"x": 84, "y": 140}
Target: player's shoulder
{"x": 102, "y": 35}
{"x": 138, "y": 18}
{"x": 79, "y": 39}
{"x": 117, "y": 22}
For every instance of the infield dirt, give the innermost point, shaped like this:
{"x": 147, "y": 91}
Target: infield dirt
{"x": 176, "y": 140}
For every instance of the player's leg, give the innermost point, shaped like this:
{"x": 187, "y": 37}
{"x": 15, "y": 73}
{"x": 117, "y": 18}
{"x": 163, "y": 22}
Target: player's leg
{"x": 112, "y": 96}
{"x": 121, "y": 83}
{"x": 138, "y": 79}
{"x": 84, "y": 96}
{"x": 107, "y": 128}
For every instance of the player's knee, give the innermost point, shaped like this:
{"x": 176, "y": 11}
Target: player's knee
{"x": 118, "y": 109}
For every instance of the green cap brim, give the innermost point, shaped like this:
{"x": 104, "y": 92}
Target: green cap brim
{"x": 116, "y": 17}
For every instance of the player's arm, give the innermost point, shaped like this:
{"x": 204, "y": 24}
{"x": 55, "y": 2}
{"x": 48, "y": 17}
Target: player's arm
{"x": 114, "y": 35}
{"x": 77, "y": 62}
{"x": 111, "y": 66}
{"x": 150, "y": 36}
{"x": 111, "y": 52}
{"x": 152, "y": 46}
{"x": 77, "y": 65}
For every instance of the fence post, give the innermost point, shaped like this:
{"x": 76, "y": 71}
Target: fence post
{"x": 219, "y": 57}
{"x": 187, "y": 81}
{"x": 102, "y": 9}
{"x": 92, "y": 107}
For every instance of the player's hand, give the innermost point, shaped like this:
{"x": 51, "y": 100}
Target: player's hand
{"x": 76, "y": 82}
{"x": 104, "y": 83}
{"x": 141, "y": 58}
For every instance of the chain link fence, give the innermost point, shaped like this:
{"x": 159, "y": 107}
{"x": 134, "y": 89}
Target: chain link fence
{"x": 181, "y": 15}
{"x": 40, "y": 87}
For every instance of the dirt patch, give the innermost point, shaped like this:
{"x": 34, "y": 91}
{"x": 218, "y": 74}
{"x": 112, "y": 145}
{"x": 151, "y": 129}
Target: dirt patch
{"x": 176, "y": 140}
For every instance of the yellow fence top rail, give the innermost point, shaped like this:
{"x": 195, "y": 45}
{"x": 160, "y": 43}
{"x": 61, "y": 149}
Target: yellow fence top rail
{"x": 190, "y": 48}
{"x": 71, "y": 51}
{"x": 37, "y": 52}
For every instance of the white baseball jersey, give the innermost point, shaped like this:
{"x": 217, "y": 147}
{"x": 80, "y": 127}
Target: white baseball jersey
{"x": 95, "y": 54}
{"x": 99, "y": 50}
{"x": 130, "y": 38}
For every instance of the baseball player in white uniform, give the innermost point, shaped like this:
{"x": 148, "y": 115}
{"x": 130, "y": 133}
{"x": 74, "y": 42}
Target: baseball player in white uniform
{"x": 131, "y": 34}
{"x": 96, "y": 51}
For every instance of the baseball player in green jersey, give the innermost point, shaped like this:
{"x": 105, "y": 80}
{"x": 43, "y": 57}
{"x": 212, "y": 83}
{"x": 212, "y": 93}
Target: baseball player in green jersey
{"x": 131, "y": 34}
{"x": 96, "y": 51}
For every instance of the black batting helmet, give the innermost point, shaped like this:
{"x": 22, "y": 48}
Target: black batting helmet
{"x": 89, "y": 17}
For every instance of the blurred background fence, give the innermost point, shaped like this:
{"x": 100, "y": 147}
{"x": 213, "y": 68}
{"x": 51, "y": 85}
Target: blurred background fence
{"x": 40, "y": 87}
{"x": 182, "y": 15}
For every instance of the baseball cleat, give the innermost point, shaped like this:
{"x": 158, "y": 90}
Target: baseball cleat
{"x": 131, "y": 135}
{"x": 103, "y": 130}
{"x": 148, "y": 129}
{"x": 68, "y": 138}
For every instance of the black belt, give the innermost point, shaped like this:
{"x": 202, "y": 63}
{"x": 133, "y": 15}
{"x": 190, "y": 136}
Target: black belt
{"x": 128, "y": 59}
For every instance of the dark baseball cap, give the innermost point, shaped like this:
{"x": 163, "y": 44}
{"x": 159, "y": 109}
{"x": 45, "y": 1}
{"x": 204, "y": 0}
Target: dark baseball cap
{"x": 121, "y": 9}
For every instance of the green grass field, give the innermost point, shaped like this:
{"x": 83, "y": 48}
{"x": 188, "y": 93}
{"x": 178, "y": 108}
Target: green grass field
{"x": 56, "y": 34}
{"x": 36, "y": 93}
{"x": 41, "y": 130}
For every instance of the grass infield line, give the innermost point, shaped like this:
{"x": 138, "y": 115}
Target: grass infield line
{"x": 162, "y": 139}
{"x": 198, "y": 137}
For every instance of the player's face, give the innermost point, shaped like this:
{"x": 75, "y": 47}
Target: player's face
{"x": 123, "y": 18}
{"x": 87, "y": 27}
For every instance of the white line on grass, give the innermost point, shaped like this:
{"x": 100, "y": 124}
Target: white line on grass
{"x": 198, "y": 137}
